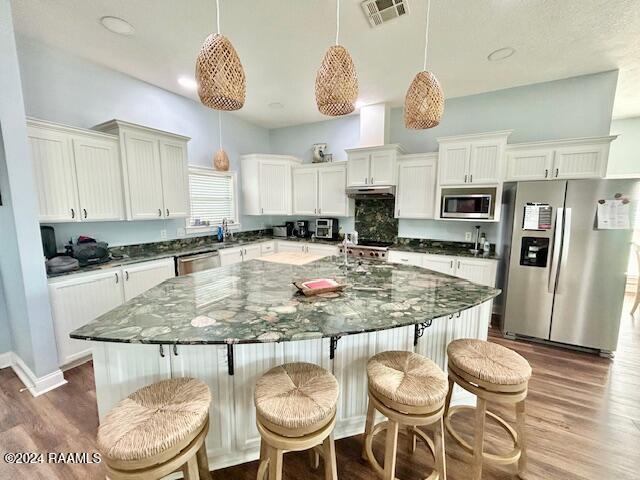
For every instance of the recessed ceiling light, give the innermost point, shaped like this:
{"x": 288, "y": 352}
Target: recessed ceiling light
{"x": 188, "y": 83}
{"x": 501, "y": 54}
{"x": 276, "y": 105}
{"x": 117, "y": 25}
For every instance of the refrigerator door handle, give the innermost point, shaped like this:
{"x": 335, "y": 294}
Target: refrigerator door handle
{"x": 558, "y": 233}
{"x": 566, "y": 241}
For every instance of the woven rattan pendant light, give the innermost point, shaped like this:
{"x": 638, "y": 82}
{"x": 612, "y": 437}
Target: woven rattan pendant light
{"x": 219, "y": 72}
{"x": 220, "y": 159}
{"x": 337, "y": 79}
{"x": 424, "y": 102}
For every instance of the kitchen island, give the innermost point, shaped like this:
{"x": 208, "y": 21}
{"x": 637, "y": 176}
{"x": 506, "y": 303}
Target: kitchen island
{"x": 229, "y": 325}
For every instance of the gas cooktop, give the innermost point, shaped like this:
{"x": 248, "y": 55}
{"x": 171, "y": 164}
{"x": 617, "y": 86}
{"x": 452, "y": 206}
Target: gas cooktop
{"x": 369, "y": 249}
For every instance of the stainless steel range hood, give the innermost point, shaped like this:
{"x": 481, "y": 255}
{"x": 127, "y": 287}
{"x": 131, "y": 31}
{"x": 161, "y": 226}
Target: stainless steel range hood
{"x": 385, "y": 191}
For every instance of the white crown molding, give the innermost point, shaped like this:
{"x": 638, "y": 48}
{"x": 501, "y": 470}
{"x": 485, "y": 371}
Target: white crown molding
{"x": 36, "y": 385}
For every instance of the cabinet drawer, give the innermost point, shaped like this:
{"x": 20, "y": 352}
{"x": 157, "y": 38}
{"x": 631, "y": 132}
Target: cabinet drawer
{"x": 406, "y": 258}
{"x": 267, "y": 248}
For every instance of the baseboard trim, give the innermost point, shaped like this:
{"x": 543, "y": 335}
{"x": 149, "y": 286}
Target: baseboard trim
{"x": 6, "y": 359}
{"x": 36, "y": 385}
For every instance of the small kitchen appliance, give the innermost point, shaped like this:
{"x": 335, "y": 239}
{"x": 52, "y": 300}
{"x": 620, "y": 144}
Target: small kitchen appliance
{"x": 290, "y": 228}
{"x": 89, "y": 251}
{"x": 368, "y": 249}
{"x": 280, "y": 231}
{"x": 48, "y": 242}
{"x": 301, "y": 229}
{"x": 327, "y": 228}
{"x": 476, "y": 205}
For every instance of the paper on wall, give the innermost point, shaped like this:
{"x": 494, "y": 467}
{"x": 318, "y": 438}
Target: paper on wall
{"x": 614, "y": 215}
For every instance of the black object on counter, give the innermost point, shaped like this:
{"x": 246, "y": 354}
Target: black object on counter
{"x": 48, "y": 241}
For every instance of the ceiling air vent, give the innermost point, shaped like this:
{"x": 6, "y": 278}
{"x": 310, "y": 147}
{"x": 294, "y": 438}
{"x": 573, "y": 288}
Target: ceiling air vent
{"x": 381, "y": 11}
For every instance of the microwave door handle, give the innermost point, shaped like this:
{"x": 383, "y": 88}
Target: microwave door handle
{"x": 555, "y": 255}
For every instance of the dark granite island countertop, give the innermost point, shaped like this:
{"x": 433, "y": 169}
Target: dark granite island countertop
{"x": 256, "y": 302}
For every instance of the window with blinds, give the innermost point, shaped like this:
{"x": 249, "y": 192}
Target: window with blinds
{"x": 212, "y": 196}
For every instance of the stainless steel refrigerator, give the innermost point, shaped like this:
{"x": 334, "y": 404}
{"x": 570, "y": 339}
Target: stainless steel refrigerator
{"x": 566, "y": 278}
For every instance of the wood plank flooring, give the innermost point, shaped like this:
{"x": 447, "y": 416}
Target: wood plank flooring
{"x": 583, "y": 423}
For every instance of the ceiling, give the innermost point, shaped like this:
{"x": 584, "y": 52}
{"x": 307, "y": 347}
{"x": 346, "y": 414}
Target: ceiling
{"x": 281, "y": 44}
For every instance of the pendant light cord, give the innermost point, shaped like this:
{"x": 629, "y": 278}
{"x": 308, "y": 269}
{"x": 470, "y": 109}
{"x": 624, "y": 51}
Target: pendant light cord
{"x": 218, "y": 14}
{"x": 426, "y": 35}
{"x": 337, "y": 22}
{"x": 220, "y": 127}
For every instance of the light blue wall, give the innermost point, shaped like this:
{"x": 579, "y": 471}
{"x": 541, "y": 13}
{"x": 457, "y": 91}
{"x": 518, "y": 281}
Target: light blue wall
{"x": 67, "y": 89}
{"x": 338, "y": 134}
{"x": 5, "y": 328}
{"x": 21, "y": 266}
{"x": 624, "y": 157}
{"x": 574, "y": 107}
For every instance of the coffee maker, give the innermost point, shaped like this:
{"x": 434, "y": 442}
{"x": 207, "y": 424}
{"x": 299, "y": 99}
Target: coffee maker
{"x": 301, "y": 229}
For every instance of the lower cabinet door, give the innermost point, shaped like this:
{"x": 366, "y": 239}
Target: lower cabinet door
{"x": 267, "y": 248}
{"x": 251, "y": 252}
{"x": 122, "y": 368}
{"x": 208, "y": 363}
{"x": 291, "y": 246}
{"x": 439, "y": 263}
{"x": 142, "y": 276}
{"x": 230, "y": 256}
{"x": 322, "y": 249}
{"x": 406, "y": 258}
{"x": 76, "y": 302}
{"x": 476, "y": 270}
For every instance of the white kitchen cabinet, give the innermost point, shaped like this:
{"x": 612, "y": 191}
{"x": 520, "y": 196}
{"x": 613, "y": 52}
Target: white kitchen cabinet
{"x": 266, "y": 184}
{"x": 175, "y": 179}
{"x": 54, "y": 173}
{"x": 477, "y": 270}
{"x": 415, "y": 195}
{"x": 267, "y": 248}
{"x": 230, "y": 256}
{"x": 77, "y": 300}
{"x": 250, "y": 252}
{"x": 290, "y": 246}
{"x": 305, "y": 191}
{"x": 372, "y": 166}
{"x": 318, "y": 249}
{"x": 440, "y": 263}
{"x": 99, "y": 175}
{"x": 559, "y": 159}
{"x": 472, "y": 159}
{"x": 155, "y": 174}
{"x": 140, "y": 277}
{"x": 406, "y": 258}
{"x": 307, "y": 247}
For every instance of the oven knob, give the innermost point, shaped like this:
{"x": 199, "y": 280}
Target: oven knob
{"x": 371, "y": 254}
{"x": 360, "y": 253}
{"x": 377, "y": 254}
{"x": 349, "y": 251}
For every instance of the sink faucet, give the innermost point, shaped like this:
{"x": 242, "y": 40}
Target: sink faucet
{"x": 350, "y": 239}
{"x": 225, "y": 230}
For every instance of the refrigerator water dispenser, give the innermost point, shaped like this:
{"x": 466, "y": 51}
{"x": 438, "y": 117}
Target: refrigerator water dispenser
{"x": 534, "y": 252}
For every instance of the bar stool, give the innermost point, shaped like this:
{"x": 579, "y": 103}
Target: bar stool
{"x": 492, "y": 373}
{"x": 295, "y": 411}
{"x": 410, "y": 390}
{"x": 158, "y": 430}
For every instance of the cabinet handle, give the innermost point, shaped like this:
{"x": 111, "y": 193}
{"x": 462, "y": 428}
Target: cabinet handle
{"x": 546, "y": 172}
{"x": 557, "y": 171}
{"x": 175, "y": 349}
{"x": 471, "y": 178}
{"x": 73, "y": 213}
{"x": 167, "y": 212}
{"x": 398, "y": 212}
{"x": 458, "y": 263}
{"x": 371, "y": 180}
{"x": 319, "y": 210}
{"x": 262, "y": 210}
{"x": 117, "y": 278}
{"x": 159, "y": 212}
{"x": 451, "y": 263}
{"x": 84, "y": 210}
{"x": 366, "y": 181}
{"x": 161, "y": 351}
{"x": 314, "y": 211}
{"x": 126, "y": 275}
{"x": 465, "y": 179}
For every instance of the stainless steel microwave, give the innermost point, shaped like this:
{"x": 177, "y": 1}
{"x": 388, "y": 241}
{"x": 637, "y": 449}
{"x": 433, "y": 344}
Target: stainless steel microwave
{"x": 477, "y": 205}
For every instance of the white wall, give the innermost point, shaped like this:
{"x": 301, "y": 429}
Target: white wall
{"x": 67, "y": 89}
{"x": 624, "y": 157}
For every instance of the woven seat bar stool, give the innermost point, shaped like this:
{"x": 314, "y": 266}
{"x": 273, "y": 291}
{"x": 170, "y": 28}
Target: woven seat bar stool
{"x": 296, "y": 411}
{"x": 410, "y": 390}
{"x": 158, "y": 430}
{"x": 492, "y": 373}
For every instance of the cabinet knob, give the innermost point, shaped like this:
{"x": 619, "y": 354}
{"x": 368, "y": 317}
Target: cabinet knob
{"x": 159, "y": 212}
{"x": 84, "y": 210}
{"x": 73, "y": 213}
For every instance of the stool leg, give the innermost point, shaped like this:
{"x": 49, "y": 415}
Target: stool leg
{"x": 314, "y": 459}
{"x": 441, "y": 458}
{"x": 478, "y": 439}
{"x": 447, "y": 402}
{"x": 330, "y": 467}
{"x": 390, "y": 450}
{"x": 522, "y": 438}
{"x": 371, "y": 415}
{"x": 263, "y": 472}
{"x": 203, "y": 463}
{"x": 190, "y": 469}
{"x": 275, "y": 464}
{"x": 413, "y": 444}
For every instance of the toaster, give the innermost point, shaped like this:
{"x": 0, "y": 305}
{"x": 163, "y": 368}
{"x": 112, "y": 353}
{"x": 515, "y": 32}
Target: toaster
{"x": 280, "y": 231}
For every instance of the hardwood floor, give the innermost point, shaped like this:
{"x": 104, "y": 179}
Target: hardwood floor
{"x": 583, "y": 423}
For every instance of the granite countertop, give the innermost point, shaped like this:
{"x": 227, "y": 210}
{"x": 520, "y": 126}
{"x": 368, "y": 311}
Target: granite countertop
{"x": 255, "y": 302}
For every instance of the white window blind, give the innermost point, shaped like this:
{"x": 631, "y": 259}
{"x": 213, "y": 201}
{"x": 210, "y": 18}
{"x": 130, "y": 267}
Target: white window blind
{"x": 212, "y": 197}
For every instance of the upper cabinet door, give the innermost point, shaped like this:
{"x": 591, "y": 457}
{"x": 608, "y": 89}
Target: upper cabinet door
{"x": 581, "y": 161}
{"x": 485, "y": 163}
{"x": 173, "y": 161}
{"x": 99, "y": 178}
{"x": 415, "y": 195}
{"x": 305, "y": 191}
{"x": 454, "y": 163}
{"x": 55, "y": 175}
{"x": 275, "y": 184}
{"x": 333, "y": 201}
{"x": 144, "y": 178}
{"x": 383, "y": 168}
{"x": 529, "y": 165}
{"x": 358, "y": 169}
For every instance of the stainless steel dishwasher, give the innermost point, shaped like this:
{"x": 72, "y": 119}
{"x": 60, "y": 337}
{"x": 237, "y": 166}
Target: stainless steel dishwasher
{"x": 197, "y": 262}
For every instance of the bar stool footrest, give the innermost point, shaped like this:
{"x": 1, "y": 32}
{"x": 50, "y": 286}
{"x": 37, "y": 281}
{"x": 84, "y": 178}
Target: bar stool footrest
{"x": 500, "y": 459}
